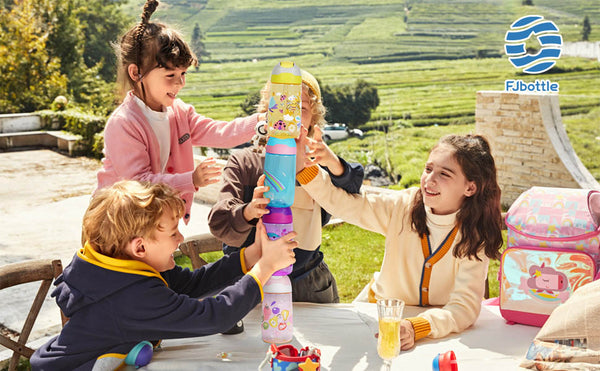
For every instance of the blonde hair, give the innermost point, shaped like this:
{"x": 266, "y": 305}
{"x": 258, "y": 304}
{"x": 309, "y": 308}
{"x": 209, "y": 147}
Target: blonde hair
{"x": 316, "y": 105}
{"x": 126, "y": 210}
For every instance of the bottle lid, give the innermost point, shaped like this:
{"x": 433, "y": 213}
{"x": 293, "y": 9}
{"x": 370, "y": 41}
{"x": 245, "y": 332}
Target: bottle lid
{"x": 445, "y": 362}
{"x": 286, "y": 72}
{"x": 278, "y": 215}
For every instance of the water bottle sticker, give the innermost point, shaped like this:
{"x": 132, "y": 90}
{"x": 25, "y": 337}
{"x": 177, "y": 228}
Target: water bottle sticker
{"x": 275, "y": 317}
{"x": 273, "y": 182}
{"x": 285, "y": 110}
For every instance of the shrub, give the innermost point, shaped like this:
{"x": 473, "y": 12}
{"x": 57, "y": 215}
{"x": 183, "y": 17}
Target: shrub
{"x": 76, "y": 122}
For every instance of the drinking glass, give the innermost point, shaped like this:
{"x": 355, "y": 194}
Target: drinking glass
{"x": 389, "y": 313}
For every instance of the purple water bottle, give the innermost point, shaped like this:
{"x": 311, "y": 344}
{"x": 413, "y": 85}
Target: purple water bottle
{"x": 278, "y": 222}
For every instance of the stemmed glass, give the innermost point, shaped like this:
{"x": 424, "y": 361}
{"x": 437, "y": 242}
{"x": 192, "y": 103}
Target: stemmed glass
{"x": 389, "y": 313}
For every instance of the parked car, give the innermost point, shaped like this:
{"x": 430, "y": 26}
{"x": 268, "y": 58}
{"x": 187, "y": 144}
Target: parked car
{"x": 339, "y": 131}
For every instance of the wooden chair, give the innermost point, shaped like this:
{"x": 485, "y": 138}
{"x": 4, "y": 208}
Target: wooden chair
{"x": 20, "y": 273}
{"x": 193, "y": 246}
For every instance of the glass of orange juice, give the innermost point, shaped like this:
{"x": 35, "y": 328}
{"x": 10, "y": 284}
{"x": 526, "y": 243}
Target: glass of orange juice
{"x": 389, "y": 312}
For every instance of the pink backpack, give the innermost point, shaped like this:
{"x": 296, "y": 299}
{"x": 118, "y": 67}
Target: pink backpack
{"x": 553, "y": 249}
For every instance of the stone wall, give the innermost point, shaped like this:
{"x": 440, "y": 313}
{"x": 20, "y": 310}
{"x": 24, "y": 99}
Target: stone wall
{"x": 17, "y": 122}
{"x": 529, "y": 143}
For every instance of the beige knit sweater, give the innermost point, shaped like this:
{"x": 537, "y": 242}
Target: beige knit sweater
{"x": 456, "y": 286}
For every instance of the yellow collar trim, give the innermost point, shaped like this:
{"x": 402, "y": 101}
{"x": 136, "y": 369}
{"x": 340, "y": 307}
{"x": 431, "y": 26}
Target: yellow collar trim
{"x": 130, "y": 266}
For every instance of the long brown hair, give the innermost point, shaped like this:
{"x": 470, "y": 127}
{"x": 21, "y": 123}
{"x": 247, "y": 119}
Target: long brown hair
{"x": 479, "y": 217}
{"x": 150, "y": 45}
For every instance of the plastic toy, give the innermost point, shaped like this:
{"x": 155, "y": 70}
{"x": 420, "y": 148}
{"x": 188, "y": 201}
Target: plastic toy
{"x": 445, "y": 362}
{"x": 140, "y": 355}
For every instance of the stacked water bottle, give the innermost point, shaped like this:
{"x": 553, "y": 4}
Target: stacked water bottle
{"x": 283, "y": 125}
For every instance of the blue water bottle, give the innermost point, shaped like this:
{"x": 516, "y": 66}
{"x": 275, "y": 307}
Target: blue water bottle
{"x": 280, "y": 171}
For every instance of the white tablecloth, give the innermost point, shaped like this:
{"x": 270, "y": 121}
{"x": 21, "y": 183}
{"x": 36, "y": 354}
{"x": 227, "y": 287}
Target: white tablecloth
{"x": 345, "y": 335}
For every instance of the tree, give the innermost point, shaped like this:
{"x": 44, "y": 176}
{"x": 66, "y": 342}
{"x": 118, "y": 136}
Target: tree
{"x": 31, "y": 77}
{"x": 66, "y": 45}
{"x": 65, "y": 35}
{"x": 249, "y": 104}
{"x": 366, "y": 99}
{"x": 198, "y": 45}
{"x": 102, "y": 23}
{"x": 80, "y": 35}
{"x": 586, "y": 29}
{"x": 351, "y": 104}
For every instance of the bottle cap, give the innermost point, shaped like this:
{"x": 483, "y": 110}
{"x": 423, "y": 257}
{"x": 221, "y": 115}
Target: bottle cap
{"x": 286, "y": 72}
{"x": 278, "y": 215}
{"x": 445, "y": 362}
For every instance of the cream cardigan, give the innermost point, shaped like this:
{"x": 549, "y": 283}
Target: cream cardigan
{"x": 456, "y": 286}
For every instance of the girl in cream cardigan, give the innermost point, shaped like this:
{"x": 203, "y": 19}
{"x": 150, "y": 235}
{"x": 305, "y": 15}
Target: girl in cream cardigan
{"x": 439, "y": 237}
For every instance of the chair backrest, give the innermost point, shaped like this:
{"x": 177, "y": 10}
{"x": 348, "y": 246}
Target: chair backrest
{"x": 25, "y": 272}
{"x": 193, "y": 246}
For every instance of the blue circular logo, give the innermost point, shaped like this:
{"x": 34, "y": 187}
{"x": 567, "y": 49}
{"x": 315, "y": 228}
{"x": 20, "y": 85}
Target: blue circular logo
{"x": 547, "y": 35}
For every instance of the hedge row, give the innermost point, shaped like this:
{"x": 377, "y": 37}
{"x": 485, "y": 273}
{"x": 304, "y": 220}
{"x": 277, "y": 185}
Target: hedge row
{"x": 90, "y": 128}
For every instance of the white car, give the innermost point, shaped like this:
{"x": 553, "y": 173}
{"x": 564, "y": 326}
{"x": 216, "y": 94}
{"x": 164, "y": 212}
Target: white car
{"x": 339, "y": 131}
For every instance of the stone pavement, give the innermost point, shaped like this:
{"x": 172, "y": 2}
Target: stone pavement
{"x": 43, "y": 196}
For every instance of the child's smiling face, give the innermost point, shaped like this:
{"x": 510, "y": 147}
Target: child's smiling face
{"x": 162, "y": 86}
{"x": 161, "y": 246}
{"x": 443, "y": 183}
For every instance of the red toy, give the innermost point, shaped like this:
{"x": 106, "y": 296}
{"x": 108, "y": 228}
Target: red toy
{"x": 445, "y": 362}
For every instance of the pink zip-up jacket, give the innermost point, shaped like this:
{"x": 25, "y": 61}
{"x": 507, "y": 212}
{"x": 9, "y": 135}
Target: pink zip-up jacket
{"x": 131, "y": 150}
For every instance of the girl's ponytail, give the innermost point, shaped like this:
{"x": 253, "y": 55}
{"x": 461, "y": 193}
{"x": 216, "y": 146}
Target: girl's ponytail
{"x": 149, "y": 9}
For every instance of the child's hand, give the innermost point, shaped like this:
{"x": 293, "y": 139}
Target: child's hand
{"x": 279, "y": 253}
{"x": 206, "y": 173}
{"x": 275, "y": 255}
{"x": 302, "y": 159}
{"x": 258, "y": 206}
{"x": 407, "y": 335}
{"x": 321, "y": 154}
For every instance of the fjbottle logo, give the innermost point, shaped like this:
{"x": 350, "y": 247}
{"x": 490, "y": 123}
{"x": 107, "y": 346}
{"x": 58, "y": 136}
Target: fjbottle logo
{"x": 548, "y": 37}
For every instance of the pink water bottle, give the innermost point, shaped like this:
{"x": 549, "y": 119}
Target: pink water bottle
{"x": 277, "y": 325}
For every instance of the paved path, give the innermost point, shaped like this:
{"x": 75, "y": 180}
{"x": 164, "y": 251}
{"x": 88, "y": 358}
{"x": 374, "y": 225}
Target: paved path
{"x": 43, "y": 196}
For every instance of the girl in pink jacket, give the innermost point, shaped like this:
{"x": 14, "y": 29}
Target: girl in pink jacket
{"x": 151, "y": 134}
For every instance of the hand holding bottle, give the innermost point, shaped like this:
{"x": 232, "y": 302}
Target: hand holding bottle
{"x": 258, "y": 206}
{"x": 275, "y": 254}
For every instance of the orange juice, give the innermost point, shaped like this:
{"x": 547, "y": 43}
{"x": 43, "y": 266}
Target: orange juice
{"x": 388, "y": 342}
